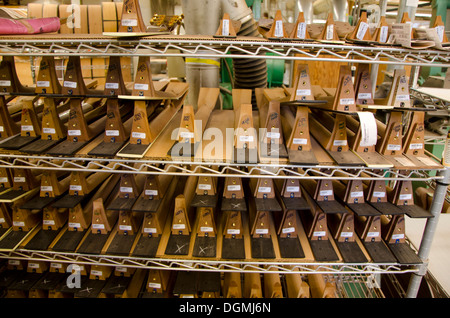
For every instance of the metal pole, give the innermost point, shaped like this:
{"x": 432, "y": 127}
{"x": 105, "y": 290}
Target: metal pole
{"x": 429, "y": 231}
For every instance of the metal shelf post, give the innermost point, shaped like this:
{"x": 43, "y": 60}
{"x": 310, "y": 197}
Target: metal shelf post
{"x": 428, "y": 234}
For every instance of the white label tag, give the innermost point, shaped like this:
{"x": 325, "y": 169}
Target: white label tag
{"x": 70, "y": 84}
{"x": 340, "y": 143}
{"x": 364, "y": 95}
{"x": 18, "y": 223}
{"x": 440, "y": 32}
{"x": 384, "y": 30}
{"x": 125, "y": 227}
{"x": 111, "y": 85}
{"x": 98, "y": 226}
{"x": 346, "y": 234}
{"x": 325, "y": 192}
{"x": 151, "y": 192}
{"x": 278, "y": 29}
{"x": 363, "y": 27}
{"x": 186, "y": 134}
{"x": 347, "y": 101}
{"x": 319, "y": 233}
{"x": 75, "y": 187}
{"x": 225, "y": 27}
{"x": 301, "y": 30}
{"x": 5, "y": 83}
{"x": 246, "y": 138}
{"x": 74, "y": 225}
{"x": 43, "y": 84}
{"x": 274, "y": 135}
{"x": 379, "y": 194}
{"x": 48, "y": 222}
{"x": 111, "y": 133}
{"x": 204, "y": 186}
{"x": 2, "y": 129}
{"x": 356, "y": 194}
{"x": 300, "y": 141}
{"x": 236, "y": 187}
{"x": 330, "y": 32}
{"x": 206, "y": 229}
{"x": 233, "y": 231}
{"x": 56, "y": 265}
{"x": 288, "y": 230}
{"x": 373, "y": 234}
{"x": 33, "y": 265}
{"x": 415, "y": 146}
{"x": 292, "y": 189}
{"x": 3, "y": 179}
{"x": 398, "y": 236}
{"x": 129, "y": 22}
{"x": 136, "y": 134}
{"x": 27, "y": 128}
{"x": 19, "y": 179}
{"x": 368, "y": 129}
{"x": 406, "y": 196}
{"x": 264, "y": 189}
{"x": 154, "y": 285}
{"x": 149, "y": 230}
{"x": 46, "y": 188}
{"x": 394, "y": 147}
{"x": 96, "y": 272}
{"x": 402, "y": 97}
{"x": 126, "y": 189}
{"x": 74, "y": 132}
{"x": 48, "y": 130}
{"x": 179, "y": 226}
{"x": 142, "y": 87}
{"x": 303, "y": 92}
{"x": 262, "y": 231}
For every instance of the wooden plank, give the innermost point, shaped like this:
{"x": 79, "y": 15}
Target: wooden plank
{"x": 81, "y": 19}
{"x": 34, "y": 10}
{"x": 95, "y": 20}
{"x": 109, "y": 15}
{"x": 65, "y": 11}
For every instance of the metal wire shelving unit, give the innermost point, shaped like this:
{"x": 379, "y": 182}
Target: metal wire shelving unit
{"x": 255, "y": 48}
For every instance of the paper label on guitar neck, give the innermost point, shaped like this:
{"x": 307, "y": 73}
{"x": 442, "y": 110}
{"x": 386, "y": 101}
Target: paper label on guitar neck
{"x": 288, "y": 230}
{"x": 70, "y": 84}
{"x": 75, "y": 132}
{"x": 279, "y": 29}
{"x": 75, "y": 187}
{"x": 368, "y": 128}
{"x": 347, "y": 101}
{"x": 262, "y": 231}
{"x": 48, "y": 222}
{"x": 394, "y": 147}
{"x": 18, "y": 223}
{"x": 186, "y": 134}
{"x": 48, "y": 130}
{"x": 151, "y": 192}
{"x": 373, "y": 234}
{"x": 136, "y": 134}
{"x": 402, "y": 97}
{"x": 98, "y": 226}
{"x": 356, "y": 194}
{"x": 319, "y": 233}
{"x": 416, "y": 146}
{"x": 398, "y": 236}
{"x": 142, "y": 87}
{"x": 264, "y": 189}
{"x": 384, "y": 33}
{"x": 27, "y": 128}
{"x": 233, "y": 231}
{"x": 292, "y": 189}
{"x": 379, "y": 194}
{"x": 206, "y": 229}
{"x": 129, "y": 22}
{"x": 329, "y": 32}
{"x": 274, "y": 135}
{"x": 363, "y": 27}
{"x": 225, "y": 27}
{"x": 325, "y": 192}
{"x": 154, "y": 285}
{"x": 5, "y": 83}
{"x": 340, "y": 143}
{"x": 440, "y": 32}
{"x": 179, "y": 226}
{"x": 46, "y": 188}
{"x": 246, "y": 138}
{"x": 125, "y": 227}
{"x": 112, "y": 85}
{"x": 126, "y": 189}
{"x": 406, "y": 196}
{"x": 96, "y": 272}
{"x": 204, "y": 187}
{"x": 364, "y": 95}
{"x": 301, "y": 30}
{"x": 43, "y": 84}
{"x": 346, "y": 234}
{"x": 74, "y": 225}
{"x": 300, "y": 141}
{"x": 150, "y": 230}
{"x": 19, "y": 179}
{"x": 111, "y": 133}
{"x": 236, "y": 187}
{"x": 303, "y": 92}
{"x": 3, "y": 179}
